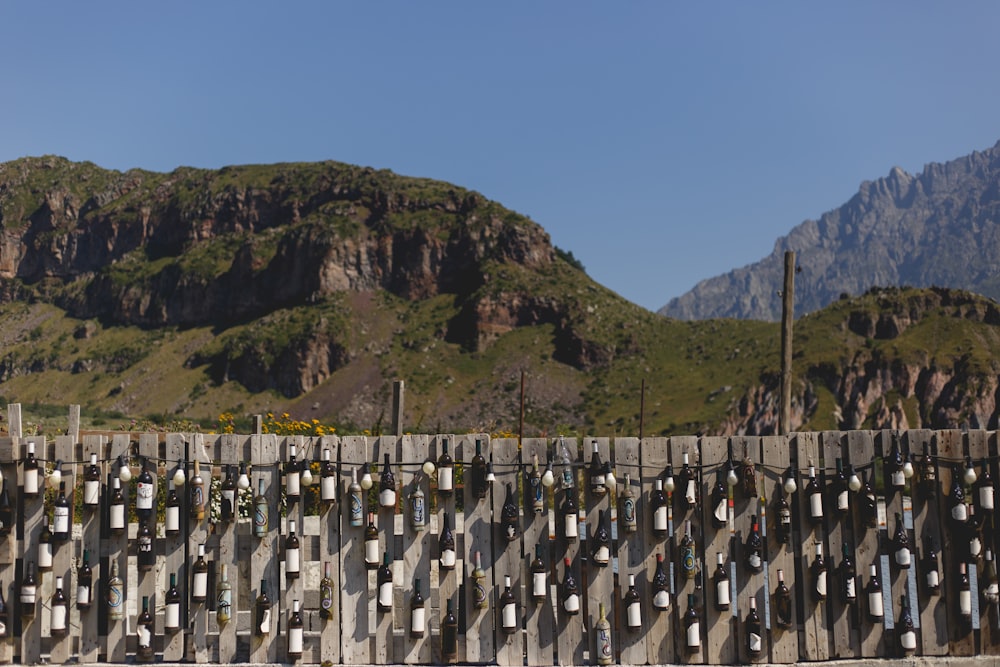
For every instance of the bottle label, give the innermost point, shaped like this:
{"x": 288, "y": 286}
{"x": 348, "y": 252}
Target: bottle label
{"x": 197, "y": 497}
{"x": 225, "y": 606}
{"x": 292, "y": 484}
{"x": 986, "y": 497}
{"x": 510, "y": 615}
{"x": 59, "y": 617}
{"x": 292, "y": 560}
{"x": 45, "y": 555}
{"x": 875, "y": 609}
{"x": 688, "y": 565}
{"x": 571, "y": 528}
{"x": 445, "y": 479}
{"x": 418, "y": 620}
{"x": 754, "y": 560}
{"x": 228, "y": 503}
{"x": 903, "y": 557}
{"x": 786, "y": 518}
{"x": 326, "y": 596}
{"x": 933, "y": 578}
{"x": 660, "y": 519}
{"x": 605, "y": 653}
{"x": 117, "y": 518}
{"x": 602, "y": 555}
{"x": 265, "y": 622}
{"x": 31, "y": 481}
{"x": 975, "y": 545}
{"x": 387, "y": 498}
{"x": 83, "y": 594}
{"x": 200, "y": 587}
{"x": 722, "y": 511}
{"x": 821, "y": 583}
{"x": 357, "y": 515}
{"x": 328, "y": 488}
{"x": 572, "y": 603}
{"x": 538, "y": 584}
{"x": 115, "y": 596}
{"x": 816, "y": 505}
{"x": 661, "y": 600}
{"x": 295, "y": 640}
{"x": 91, "y": 492}
{"x": 417, "y": 511}
{"x": 260, "y": 519}
{"x": 851, "y": 588}
{"x": 628, "y": 512}
{"x": 144, "y": 496}
{"x": 479, "y": 596}
{"x": 172, "y": 616}
{"x": 843, "y": 502}
{"x": 755, "y": 642}
{"x": 634, "y": 615}
{"x": 61, "y": 520}
{"x": 959, "y": 512}
{"x": 29, "y": 594}
{"x": 908, "y": 640}
{"x": 384, "y": 594}
{"x": 172, "y": 519}
{"x": 690, "y": 495}
{"x": 694, "y": 635}
{"x": 722, "y": 592}
{"x": 145, "y": 636}
{"x": 145, "y": 545}
{"x": 448, "y": 558}
{"x": 371, "y": 552}
{"x": 898, "y": 478}
{"x": 965, "y": 603}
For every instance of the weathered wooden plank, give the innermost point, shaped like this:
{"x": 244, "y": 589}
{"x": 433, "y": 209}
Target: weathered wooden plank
{"x": 10, "y": 565}
{"x": 416, "y": 543}
{"x": 330, "y": 537}
{"x": 174, "y": 556}
{"x": 721, "y": 624}
{"x": 65, "y": 450}
{"x": 631, "y": 552}
{"x": 479, "y": 642}
{"x": 294, "y": 518}
{"x": 231, "y": 447}
{"x": 861, "y": 453}
{"x": 538, "y": 620}
{"x": 681, "y": 446}
{"x": 843, "y": 617}
{"x": 898, "y": 579}
{"x": 32, "y": 510}
{"x": 197, "y": 534}
{"x": 950, "y": 448}
{"x": 660, "y": 637}
{"x": 265, "y": 550}
{"x": 507, "y": 554}
{"x": 990, "y": 611}
{"x": 390, "y": 523}
{"x": 354, "y": 601}
{"x": 599, "y": 580}
{"x": 570, "y": 643}
{"x": 815, "y": 644}
{"x": 784, "y": 642}
{"x": 747, "y": 506}
{"x": 91, "y": 520}
{"x": 116, "y": 551}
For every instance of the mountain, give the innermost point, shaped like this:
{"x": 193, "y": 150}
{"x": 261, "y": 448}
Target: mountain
{"x": 309, "y": 288}
{"x": 940, "y": 227}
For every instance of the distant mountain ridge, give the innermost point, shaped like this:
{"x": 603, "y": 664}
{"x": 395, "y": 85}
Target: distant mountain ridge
{"x": 938, "y": 228}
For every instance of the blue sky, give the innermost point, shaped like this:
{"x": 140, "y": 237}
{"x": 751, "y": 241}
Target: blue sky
{"x": 661, "y": 142}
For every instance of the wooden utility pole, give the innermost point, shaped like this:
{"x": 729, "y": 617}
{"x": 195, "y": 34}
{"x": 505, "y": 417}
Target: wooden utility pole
{"x": 398, "y": 392}
{"x": 787, "y": 317}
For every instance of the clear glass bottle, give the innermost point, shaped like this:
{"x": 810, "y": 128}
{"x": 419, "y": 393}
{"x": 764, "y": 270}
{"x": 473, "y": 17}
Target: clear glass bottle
{"x": 628, "y": 515}
{"x": 115, "y": 595}
{"x": 355, "y": 504}
{"x": 418, "y": 508}
{"x": 326, "y": 593}
{"x": 688, "y": 554}
{"x": 224, "y": 598}
{"x": 260, "y": 510}
{"x": 196, "y": 494}
{"x": 480, "y": 596}
{"x": 602, "y": 636}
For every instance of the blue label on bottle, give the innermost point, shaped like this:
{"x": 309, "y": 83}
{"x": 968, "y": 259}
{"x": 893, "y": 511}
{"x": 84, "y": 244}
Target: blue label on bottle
{"x": 115, "y": 597}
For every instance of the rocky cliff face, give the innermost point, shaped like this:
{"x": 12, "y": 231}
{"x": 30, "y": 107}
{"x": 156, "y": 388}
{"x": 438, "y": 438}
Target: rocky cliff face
{"x": 940, "y": 227}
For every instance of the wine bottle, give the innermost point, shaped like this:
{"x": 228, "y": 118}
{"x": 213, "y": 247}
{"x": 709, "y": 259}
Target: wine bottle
{"x": 446, "y": 546}
{"x": 116, "y": 510}
{"x": 45, "y": 545}
{"x": 842, "y": 496}
{"x": 754, "y": 634}
{"x": 753, "y": 551}
{"x": 628, "y": 518}
{"x": 570, "y": 591}
{"x": 326, "y": 592}
{"x": 901, "y": 544}
{"x": 480, "y": 487}
{"x": 633, "y": 606}
{"x": 597, "y": 487}
{"x": 228, "y": 504}
{"x": 61, "y": 522}
{"x": 927, "y": 487}
{"x": 293, "y": 553}
{"x": 172, "y": 510}
{"x": 293, "y": 477}
{"x": 59, "y": 612}
{"x": 601, "y": 551}
{"x": 783, "y": 525}
{"x": 145, "y": 629}
{"x": 876, "y": 608}
{"x": 196, "y": 494}
{"x": 508, "y": 609}
{"x": 848, "y": 574}
{"x": 6, "y": 511}
{"x": 868, "y": 504}
{"x": 722, "y": 584}
{"x": 30, "y": 487}
{"x": 144, "y": 548}
{"x": 689, "y": 499}
{"x": 328, "y": 480}
{"x": 144, "y": 492}
{"x": 991, "y": 585}
{"x": 295, "y": 630}
{"x": 658, "y": 505}
{"x": 964, "y": 594}
{"x": 956, "y": 499}
{"x": 894, "y": 465}
{"x": 907, "y": 636}
{"x": 972, "y": 533}
{"x": 509, "y": 516}
{"x": 417, "y": 612}
{"x": 661, "y": 586}
{"x": 449, "y": 634}
{"x": 539, "y": 577}
{"x": 92, "y": 484}
{"x": 818, "y": 571}
{"x": 172, "y": 613}
{"x": 384, "y": 578}
{"x": 371, "y": 543}
{"x": 29, "y": 591}
{"x": 116, "y": 594}
{"x": 688, "y": 557}
{"x": 262, "y": 612}
{"x": 224, "y": 598}
{"x": 749, "y": 478}
{"x": 782, "y": 603}
{"x": 84, "y": 583}
{"x": 720, "y": 502}
{"x": 602, "y": 637}
{"x": 260, "y": 510}
{"x": 445, "y": 471}
{"x": 354, "y": 504}
{"x": 199, "y": 585}
{"x": 480, "y": 596}
{"x": 985, "y": 492}
{"x": 692, "y": 626}
{"x": 815, "y": 495}
{"x": 418, "y": 508}
{"x": 570, "y": 514}
{"x": 387, "y": 486}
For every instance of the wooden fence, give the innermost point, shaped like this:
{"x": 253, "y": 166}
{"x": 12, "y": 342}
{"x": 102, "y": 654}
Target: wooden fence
{"x": 357, "y": 632}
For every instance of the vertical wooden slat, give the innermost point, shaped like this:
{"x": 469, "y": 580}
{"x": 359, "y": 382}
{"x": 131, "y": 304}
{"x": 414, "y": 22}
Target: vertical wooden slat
{"x": 91, "y": 520}
{"x": 777, "y": 459}
{"x": 9, "y": 572}
{"x": 388, "y": 647}
{"x": 174, "y": 556}
{"x": 748, "y": 584}
{"x": 330, "y": 537}
{"x": 479, "y": 643}
{"x": 116, "y": 550}
{"x": 31, "y": 510}
{"x": 230, "y": 448}
{"x": 291, "y": 587}
{"x": 61, "y": 649}
{"x": 843, "y": 618}
{"x": 861, "y": 452}
{"x": 976, "y": 444}
{"x": 416, "y": 544}
{"x": 264, "y": 554}
{"x": 506, "y": 555}
{"x": 660, "y": 638}
{"x": 149, "y": 582}
{"x": 815, "y": 644}
{"x": 989, "y": 612}
{"x": 950, "y": 448}
{"x": 539, "y": 621}
{"x": 679, "y": 445}
{"x": 721, "y": 626}
{"x": 353, "y": 575}
{"x": 600, "y": 584}
{"x": 632, "y": 553}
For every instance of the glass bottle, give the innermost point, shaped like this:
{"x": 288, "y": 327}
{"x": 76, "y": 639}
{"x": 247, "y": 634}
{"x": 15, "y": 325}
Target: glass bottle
{"x": 601, "y": 551}
{"x": 199, "y": 586}
{"x": 508, "y": 609}
{"x": 172, "y": 511}
{"x": 720, "y": 502}
{"x": 818, "y": 571}
{"x": 328, "y": 480}
{"x": 722, "y": 584}
{"x": 384, "y": 578}
{"x": 418, "y": 618}
{"x": 901, "y": 544}
{"x": 145, "y": 629}
{"x": 754, "y": 634}
{"x": 985, "y": 492}
{"x": 956, "y": 499}
{"x": 661, "y": 586}
{"x": 6, "y": 511}
{"x": 754, "y": 549}
{"x": 894, "y": 465}
{"x": 927, "y": 487}
{"x": 692, "y": 626}
{"x": 868, "y": 504}
{"x": 689, "y": 499}
{"x": 116, "y": 594}
{"x": 480, "y": 597}
{"x": 782, "y": 603}
{"x": 570, "y": 514}
{"x": 570, "y": 591}
{"x": 371, "y": 543}
{"x": 658, "y": 505}
{"x": 326, "y": 592}
{"x": 602, "y": 636}
{"x": 688, "y": 556}
{"x": 144, "y": 548}
{"x": 991, "y": 584}
{"x": 92, "y": 484}
{"x": 260, "y": 510}
{"x": 876, "y": 607}
{"x": 628, "y": 506}
{"x": 84, "y": 582}
{"x": 842, "y": 495}
{"x": 61, "y": 522}
{"x": 228, "y": 506}
{"x": 116, "y": 510}
{"x": 597, "y": 487}
{"x": 30, "y": 487}
{"x": 59, "y": 611}
{"x": 539, "y": 577}
{"x": 293, "y": 553}
{"x": 783, "y": 526}
{"x": 446, "y": 546}
{"x": 633, "y": 606}
{"x": 355, "y": 504}
{"x": 387, "y": 486}
{"x": 418, "y": 509}
{"x": 535, "y": 486}
{"x": 172, "y": 613}
{"x": 480, "y": 487}
{"x": 262, "y": 612}
{"x": 29, "y": 591}
{"x": 972, "y": 532}
{"x": 815, "y": 495}
{"x": 224, "y": 598}
{"x": 449, "y": 634}
{"x": 907, "y": 635}
{"x": 445, "y": 471}
{"x": 196, "y": 494}
{"x": 509, "y": 516}
{"x": 295, "y": 631}
{"x": 293, "y": 477}
{"x": 45, "y": 545}
{"x": 848, "y": 573}
{"x": 964, "y": 594}
{"x": 144, "y": 492}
